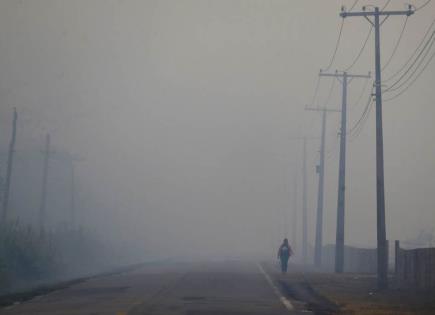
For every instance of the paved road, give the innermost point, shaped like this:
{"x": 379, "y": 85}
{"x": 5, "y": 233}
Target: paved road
{"x": 212, "y": 288}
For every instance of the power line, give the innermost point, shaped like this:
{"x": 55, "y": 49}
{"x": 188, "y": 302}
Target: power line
{"x": 374, "y": 6}
{"x": 412, "y": 82}
{"x": 326, "y": 105}
{"x": 353, "y": 5}
{"x": 313, "y": 100}
{"x": 362, "y": 93}
{"x": 413, "y": 63}
{"x": 423, "y": 5}
{"x": 392, "y": 87}
{"x": 362, "y": 117}
{"x": 357, "y": 129}
{"x": 336, "y": 47}
{"x": 413, "y": 72}
{"x": 361, "y": 50}
{"x": 412, "y": 55}
{"x": 333, "y": 149}
{"x": 385, "y": 5}
{"x": 366, "y": 108}
{"x": 363, "y": 123}
{"x": 368, "y": 36}
{"x": 316, "y": 90}
{"x": 331, "y": 89}
{"x": 396, "y": 46}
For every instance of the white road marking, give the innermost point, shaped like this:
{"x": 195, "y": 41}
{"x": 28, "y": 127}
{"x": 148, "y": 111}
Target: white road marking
{"x": 288, "y": 305}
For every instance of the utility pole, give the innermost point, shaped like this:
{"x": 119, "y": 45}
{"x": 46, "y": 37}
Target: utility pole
{"x": 345, "y": 79}
{"x": 44, "y": 184}
{"x": 295, "y": 214}
{"x": 304, "y": 200}
{"x": 72, "y": 205}
{"x": 304, "y": 207}
{"x": 321, "y": 172}
{"x": 9, "y": 168}
{"x": 382, "y": 248}
{"x": 70, "y": 160}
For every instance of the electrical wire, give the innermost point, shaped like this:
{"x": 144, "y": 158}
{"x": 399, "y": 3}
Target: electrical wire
{"x": 362, "y": 124}
{"x": 385, "y": 5}
{"x": 423, "y": 5}
{"x": 396, "y": 46}
{"x": 361, "y": 94}
{"x": 368, "y": 36}
{"x": 353, "y": 5}
{"x": 413, "y": 63}
{"x": 333, "y": 150}
{"x": 316, "y": 90}
{"x": 357, "y": 128}
{"x": 412, "y": 82}
{"x": 362, "y": 121}
{"x": 413, "y": 72}
{"x": 369, "y": 101}
{"x": 362, "y": 117}
{"x": 393, "y": 88}
{"x": 412, "y": 55}
{"x": 361, "y": 50}
{"x": 336, "y": 46}
{"x": 331, "y": 89}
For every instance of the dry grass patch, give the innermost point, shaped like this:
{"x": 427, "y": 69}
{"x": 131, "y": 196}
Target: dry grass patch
{"x": 357, "y": 294}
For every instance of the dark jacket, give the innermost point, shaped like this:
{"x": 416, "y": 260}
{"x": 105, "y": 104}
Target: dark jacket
{"x": 285, "y": 251}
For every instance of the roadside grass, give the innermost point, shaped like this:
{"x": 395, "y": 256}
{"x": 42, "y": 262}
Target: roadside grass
{"x": 29, "y": 257}
{"x": 357, "y": 294}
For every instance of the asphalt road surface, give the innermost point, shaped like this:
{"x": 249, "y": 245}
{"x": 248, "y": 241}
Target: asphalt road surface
{"x": 209, "y": 288}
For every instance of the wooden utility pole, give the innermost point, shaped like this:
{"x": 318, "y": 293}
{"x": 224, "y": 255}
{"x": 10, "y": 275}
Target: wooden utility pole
{"x": 380, "y": 191}
{"x": 44, "y": 184}
{"x": 304, "y": 200}
{"x": 344, "y": 78}
{"x": 9, "y": 168}
{"x": 295, "y": 215}
{"x": 70, "y": 160}
{"x": 304, "y": 206}
{"x": 321, "y": 171}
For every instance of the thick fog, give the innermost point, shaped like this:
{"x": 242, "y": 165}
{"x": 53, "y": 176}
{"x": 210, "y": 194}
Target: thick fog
{"x": 186, "y": 117}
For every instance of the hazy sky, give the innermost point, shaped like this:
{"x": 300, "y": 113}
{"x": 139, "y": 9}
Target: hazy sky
{"x": 184, "y": 113}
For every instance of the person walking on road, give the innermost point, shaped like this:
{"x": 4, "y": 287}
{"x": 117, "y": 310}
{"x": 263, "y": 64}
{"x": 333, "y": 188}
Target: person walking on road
{"x": 284, "y": 253}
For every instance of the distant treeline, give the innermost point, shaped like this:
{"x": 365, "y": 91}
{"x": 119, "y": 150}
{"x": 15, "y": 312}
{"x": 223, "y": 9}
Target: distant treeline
{"x": 28, "y": 256}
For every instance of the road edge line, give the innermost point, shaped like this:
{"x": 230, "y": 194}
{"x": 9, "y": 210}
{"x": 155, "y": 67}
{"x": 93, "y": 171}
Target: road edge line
{"x": 286, "y": 302}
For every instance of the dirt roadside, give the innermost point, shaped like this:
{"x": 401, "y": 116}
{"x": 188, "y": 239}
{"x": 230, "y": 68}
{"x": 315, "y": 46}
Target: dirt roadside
{"x": 302, "y": 295}
{"x": 328, "y": 293}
